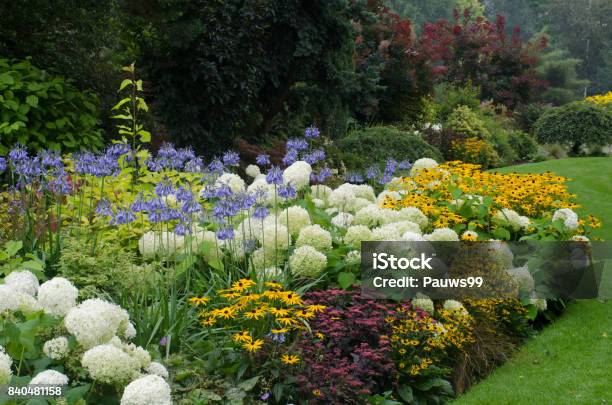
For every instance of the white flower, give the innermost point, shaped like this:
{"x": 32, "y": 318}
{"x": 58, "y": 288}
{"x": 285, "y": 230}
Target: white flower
{"x": 413, "y": 214}
{"x": 359, "y": 203}
{"x": 321, "y": 191}
{"x": 353, "y": 257}
{"x": 372, "y": 215}
{"x": 5, "y": 367}
{"x": 49, "y": 377}
{"x": 424, "y": 163}
{"x": 316, "y": 237}
{"x": 405, "y": 226}
{"x": 425, "y": 304}
{"x": 130, "y": 331}
{"x": 318, "y": 202}
{"x": 57, "y": 348}
{"x": 28, "y": 304}
{"x": 387, "y": 194}
{"x": 264, "y": 258}
{"x": 413, "y": 237}
{"x": 539, "y": 303}
{"x": 261, "y": 187}
{"x": 270, "y": 273}
{"x": 22, "y": 281}
{"x": 253, "y": 171}
{"x": 275, "y": 237}
{"x": 57, "y": 296}
{"x": 233, "y": 181}
{"x": 157, "y": 369}
{"x": 9, "y": 299}
{"x": 386, "y": 233}
{"x": 442, "y": 235}
{"x": 452, "y": 305}
{"x": 364, "y": 191}
{"x": 331, "y": 211}
{"x": 342, "y": 198}
{"x": 297, "y": 218}
{"x": 307, "y": 261}
{"x": 95, "y": 321}
{"x": 508, "y": 217}
{"x": 109, "y": 364}
{"x": 298, "y": 174}
{"x": 140, "y": 355}
{"x": 342, "y": 220}
{"x": 164, "y": 243}
{"x": 569, "y": 218}
{"x": 356, "y": 234}
{"x": 147, "y": 390}
{"x": 500, "y": 252}
{"x": 523, "y": 277}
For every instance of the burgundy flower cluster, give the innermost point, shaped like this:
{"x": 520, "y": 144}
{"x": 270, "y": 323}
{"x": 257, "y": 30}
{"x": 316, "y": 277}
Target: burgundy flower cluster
{"x": 348, "y": 356}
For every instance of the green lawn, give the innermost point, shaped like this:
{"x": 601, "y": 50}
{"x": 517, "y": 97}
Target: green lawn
{"x": 570, "y": 361}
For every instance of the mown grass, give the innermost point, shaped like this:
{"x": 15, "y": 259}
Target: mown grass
{"x": 570, "y": 361}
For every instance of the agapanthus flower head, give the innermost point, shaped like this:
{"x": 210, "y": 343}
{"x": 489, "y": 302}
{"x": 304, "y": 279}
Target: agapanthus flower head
{"x": 185, "y": 154}
{"x": 404, "y": 165}
{"x": 105, "y": 165}
{"x": 183, "y": 194}
{"x": 297, "y": 143}
{"x": 167, "y": 151}
{"x": 182, "y": 229}
{"x": 287, "y": 191}
{"x": 275, "y": 176}
{"x": 18, "y": 153}
{"x": 391, "y": 166}
{"x": 246, "y": 200}
{"x": 28, "y": 170}
{"x": 50, "y": 158}
{"x": 322, "y": 176}
{"x": 225, "y": 233}
{"x": 117, "y": 150}
{"x": 263, "y": 159}
{"x": 290, "y": 157}
{"x": 354, "y": 178}
{"x": 311, "y": 132}
{"x": 191, "y": 207}
{"x": 122, "y": 217}
{"x": 2, "y": 164}
{"x": 260, "y": 212}
{"x": 231, "y": 158}
{"x": 372, "y": 172}
{"x": 164, "y": 188}
{"x": 223, "y": 190}
{"x": 59, "y": 184}
{"x": 314, "y": 156}
{"x": 216, "y": 166}
{"x": 195, "y": 165}
{"x": 104, "y": 208}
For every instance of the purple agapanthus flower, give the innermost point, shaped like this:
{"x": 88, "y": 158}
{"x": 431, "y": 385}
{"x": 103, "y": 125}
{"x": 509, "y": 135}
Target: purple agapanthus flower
{"x": 195, "y": 165}
{"x": 182, "y": 229}
{"x": 50, "y": 159}
{"x": 290, "y": 157}
{"x": 263, "y": 160}
{"x": 60, "y": 184}
{"x": 275, "y": 176}
{"x": 231, "y": 158}
{"x": 164, "y": 188}
{"x": 311, "y": 132}
{"x": 287, "y": 191}
{"x": 18, "y": 153}
{"x": 297, "y": 144}
{"x": 314, "y": 156}
{"x": 122, "y": 217}
{"x": 225, "y": 233}
{"x": 355, "y": 178}
{"x": 260, "y": 212}
{"x": 323, "y": 175}
{"x": 2, "y": 164}
{"x": 372, "y": 172}
{"x": 104, "y": 208}
{"x": 404, "y": 165}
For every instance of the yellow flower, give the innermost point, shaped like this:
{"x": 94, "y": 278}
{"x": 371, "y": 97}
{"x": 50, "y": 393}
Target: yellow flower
{"x": 304, "y": 314}
{"x": 286, "y": 321}
{"x": 253, "y": 346}
{"x": 319, "y": 335}
{"x": 290, "y": 359}
{"x": 242, "y": 284}
{"x": 315, "y": 308}
{"x": 273, "y": 284}
{"x": 290, "y": 298}
{"x": 208, "y": 321}
{"x": 225, "y": 313}
{"x": 256, "y": 313}
{"x": 279, "y": 311}
{"x": 241, "y": 337}
{"x": 230, "y": 294}
{"x": 198, "y": 300}
{"x": 279, "y": 331}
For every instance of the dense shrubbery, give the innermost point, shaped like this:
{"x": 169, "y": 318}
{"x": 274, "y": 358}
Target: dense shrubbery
{"x": 43, "y": 111}
{"x": 576, "y": 125}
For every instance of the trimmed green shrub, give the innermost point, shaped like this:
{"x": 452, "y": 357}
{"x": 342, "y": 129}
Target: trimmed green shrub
{"x": 449, "y": 97}
{"x": 466, "y": 121}
{"x": 575, "y": 125}
{"x": 524, "y": 145}
{"x": 359, "y": 149}
{"x": 43, "y": 111}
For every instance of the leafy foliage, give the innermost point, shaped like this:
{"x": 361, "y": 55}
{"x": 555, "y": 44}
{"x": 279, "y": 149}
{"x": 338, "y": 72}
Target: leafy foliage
{"x": 44, "y": 111}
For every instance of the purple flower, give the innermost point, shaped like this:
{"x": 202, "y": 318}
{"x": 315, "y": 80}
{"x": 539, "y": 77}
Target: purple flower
{"x": 60, "y": 184}
{"x": 290, "y": 157}
{"x": 185, "y": 154}
{"x": 225, "y": 233}
{"x": 216, "y": 166}
{"x": 231, "y": 158}
{"x": 277, "y": 337}
{"x": 311, "y": 132}
{"x": 182, "y": 228}
{"x": 275, "y": 176}
{"x": 297, "y": 144}
{"x": 265, "y": 396}
{"x": 404, "y": 165}
{"x": 391, "y": 166}
{"x": 164, "y": 188}
{"x": 372, "y": 172}
{"x": 260, "y": 212}
{"x": 354, "y": 178}
{"x": 50, "y": 159}
{"x": 122, "y": 217}
{"x": 194, "y": 165}
{"x": 246, "y": 200}
{"x": 104, "y": 208}
{"x": 191, "y": 207}
{"x": 223, "y": 190}
{"x": 163, "y": 341}
{"x": 263, "y": 159}
{"x": 183, "y": 194}
{"x": 117, "y": 150}
{"x": 314, "y": 157}
{"x": 323, "y": 175}
{"x": 17, "y": 154}
{"x": 2, "y": 164}
{"x": 139, "y": 204}
{"x": 287, "y": 191}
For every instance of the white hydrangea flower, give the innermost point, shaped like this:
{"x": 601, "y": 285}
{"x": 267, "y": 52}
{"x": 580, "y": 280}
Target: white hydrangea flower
{"x": 275, "y": 237}
{"x": 57, "y": 348}
{"x": 424, "y": 163}
{"x": 10, "y": 300}
{"x": 148, "y": 390}
{"x": 342, "y": 220}
{"x": 569, "y": 218}
{"x": 49, "y": 377}
{"x": 364, "y": 191}
{"x": 425, "y": 304}
{"x": 109, "y": 364}
{"x": 523, "y": 277}
{"x": 386, "y": 233}
{"x": 353, "y": 257}
{"x": 511, "y": 218}
{"x": 152, "y": 243}
{"x": 318, "y": 202}
{"x": 372, "y": 215}
{"x": 57, "y": 296}
{"x": 298, "y": 174}
{"x": 452, "y": 305}
{"x": 5, "y": 367}
{"x": 331, "y": 210}
{"x": 413, "y": 237}
{"x": 265, "y": 258}
{"x": 22, "y": 281}
{"x": 233, "y": 181}
{"x": 157, "y": 369}
{"x": 307, "y": 261}
{"x": 253, "y": 171}
{"x": 359, "y": 203}
{"x": 130, "y": 331}
{"x": 539, "y": 303}
{"x": 95, "y": 321}
{"x": 405, "y": 226}
{"x": 140, "y": 355}
{"x": 270, "y": 273}
{"x": 298, "y": 218}
{"x": 356, "y": 234}
{"x": 413, "y": 214}
{"x": 442, "y": 235}
{"x": 321, "y": 191}
{"x": 261, "y": 187}
{"x": 316, "y": 237}
{"x": 28, "y": 304}
{"x": 500, "y": 251}
{"x": 342, "y": 198}
{"x": 383, "y": 195}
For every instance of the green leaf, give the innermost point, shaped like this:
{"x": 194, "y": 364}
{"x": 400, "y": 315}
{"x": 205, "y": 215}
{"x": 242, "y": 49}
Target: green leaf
{"x": 346, "y": 279}
{"x": 145, "y": 136}
{"x": 77, "y": 393}
{"x": 248, "y": 385}
{"x": 125, "y": 83}
{"x": 32, "y": 100}
{"x": 120, "y": 103}
{"x": 12, "y": 247}
{"x": 405, "y": 392}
